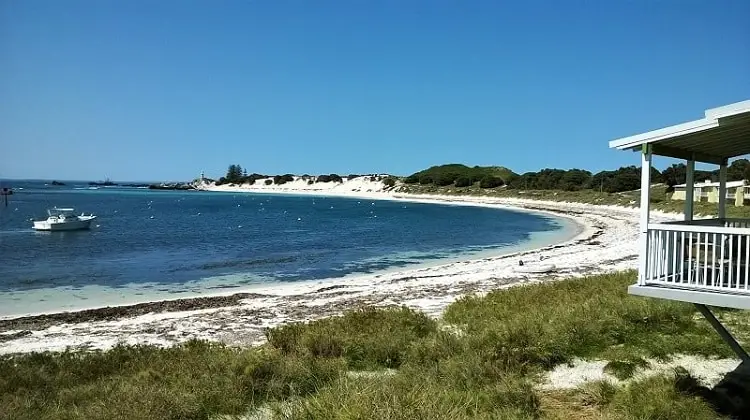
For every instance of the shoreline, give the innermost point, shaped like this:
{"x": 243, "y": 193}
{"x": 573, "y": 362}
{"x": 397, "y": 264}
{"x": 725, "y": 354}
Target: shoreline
{"x": 575, "y": 229}
{"x": 605, "y": 242}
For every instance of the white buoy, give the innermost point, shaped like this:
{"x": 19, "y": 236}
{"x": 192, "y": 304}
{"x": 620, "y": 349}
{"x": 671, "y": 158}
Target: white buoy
{"x": 299, "y": 218}
{"x": 151, "y": 217}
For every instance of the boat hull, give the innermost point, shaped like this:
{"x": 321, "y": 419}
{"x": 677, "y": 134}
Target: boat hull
{"x": 536, "y": 269}
{"x": 80, "y": 224}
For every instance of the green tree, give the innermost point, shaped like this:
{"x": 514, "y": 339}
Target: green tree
{"x": 234, "y": 173}
{"x": 491, "y": 182}
{"x": 738, "y": 170}
{"x": 675, "y": 174}
{"x": 464, "y": 181}
{"x": 574, "y": 180}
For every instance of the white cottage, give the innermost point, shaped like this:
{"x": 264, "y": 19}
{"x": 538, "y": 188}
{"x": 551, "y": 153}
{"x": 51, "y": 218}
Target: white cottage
{"x": 707, "y": 261}
{"x": 709, "y": 191}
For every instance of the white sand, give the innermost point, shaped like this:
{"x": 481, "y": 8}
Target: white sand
{"x": 708, "y": 371}
{"x": 607, "y": 242}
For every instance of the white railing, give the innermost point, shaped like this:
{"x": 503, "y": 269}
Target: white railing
{"x": 708, "y": 254}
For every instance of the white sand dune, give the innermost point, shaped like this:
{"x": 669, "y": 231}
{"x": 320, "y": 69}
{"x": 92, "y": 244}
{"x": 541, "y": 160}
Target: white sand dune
{"x": 607, "y": 241}
{"x": 302, "y": 185}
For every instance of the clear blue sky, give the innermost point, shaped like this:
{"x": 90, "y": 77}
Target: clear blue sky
{"x": 150, "y": 90}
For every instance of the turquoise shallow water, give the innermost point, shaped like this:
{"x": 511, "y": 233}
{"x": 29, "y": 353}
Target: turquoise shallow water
{"x": 171, "y": 243}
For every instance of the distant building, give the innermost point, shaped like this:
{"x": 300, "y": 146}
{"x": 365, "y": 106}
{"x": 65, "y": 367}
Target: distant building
{"x": 708, "y": 191}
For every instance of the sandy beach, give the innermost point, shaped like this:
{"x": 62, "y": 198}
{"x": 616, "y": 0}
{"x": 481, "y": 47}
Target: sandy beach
{"x": 606, "y": 241}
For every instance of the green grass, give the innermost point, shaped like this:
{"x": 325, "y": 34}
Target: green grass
{"x": 192, "y": 381}
{"x": 625, "y": 369}
{"x": 483, "y": 360}
{"x": 411, "y": 396}
{"x": 661, "y": 397}
{"x": 546, "y": 324}
{"x": 658, "y": 397}
{"x": 367, "y": 338}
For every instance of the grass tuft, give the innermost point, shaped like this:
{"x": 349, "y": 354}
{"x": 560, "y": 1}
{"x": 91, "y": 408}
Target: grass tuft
{"x": 546, "y": 324}
{"x": 367, "y": 338}
{"x": 596, "y": 393}
{"x": 625, "y": 369}
{"x": 409, "y": 396}
{"x": 659, "y": 397}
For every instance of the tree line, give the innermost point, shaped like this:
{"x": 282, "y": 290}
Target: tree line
{"x": 237, "y": 175}
{"x": 461, "y": 176}
{"x": 626, "y": 178}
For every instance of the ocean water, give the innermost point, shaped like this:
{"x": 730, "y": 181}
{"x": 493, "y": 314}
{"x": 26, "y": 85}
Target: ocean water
{"x": 149, "y": 245}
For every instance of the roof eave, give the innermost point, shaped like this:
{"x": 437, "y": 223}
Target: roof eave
{"x": 728, "y": 110}
{"x": 637, "y": 140}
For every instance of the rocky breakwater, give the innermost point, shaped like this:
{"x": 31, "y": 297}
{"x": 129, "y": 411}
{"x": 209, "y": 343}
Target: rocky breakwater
{"x": 183, "y": 186}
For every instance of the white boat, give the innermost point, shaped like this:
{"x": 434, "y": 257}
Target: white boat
{"x": 64, "y": 219}
{"x": 536, "y": 268}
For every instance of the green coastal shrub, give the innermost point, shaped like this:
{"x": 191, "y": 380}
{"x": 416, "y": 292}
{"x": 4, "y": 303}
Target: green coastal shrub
{"x": 329, "y": 178}
{"x": 444, "y": 175}
{"x": 445, "y": 179}
{"x": 389, "y": 182}
{"x": 491, "y": 182}
{"x": 283, "y": 179}
{"x": 269, "y": 181}
{"x": 464, "y": 181}
{"x": 412, "y": 179}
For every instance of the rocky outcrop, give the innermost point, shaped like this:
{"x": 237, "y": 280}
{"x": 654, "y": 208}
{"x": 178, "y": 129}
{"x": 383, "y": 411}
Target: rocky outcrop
{"x": 172, "y": 186}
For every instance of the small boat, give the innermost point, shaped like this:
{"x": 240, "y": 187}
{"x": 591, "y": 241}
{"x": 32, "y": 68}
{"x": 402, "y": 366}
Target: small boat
{"x": 536, "y": 268}
{"x": 64, "y": 219}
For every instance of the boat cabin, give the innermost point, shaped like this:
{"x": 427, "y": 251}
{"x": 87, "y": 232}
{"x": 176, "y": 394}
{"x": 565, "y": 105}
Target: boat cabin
{"x": 703, "y": 261}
